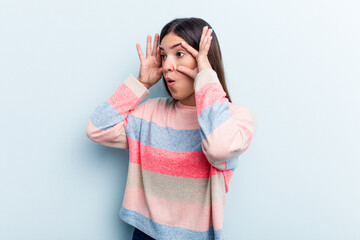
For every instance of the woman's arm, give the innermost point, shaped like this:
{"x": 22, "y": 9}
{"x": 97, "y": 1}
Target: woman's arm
{"x": 107, "y": 124}
{"x": 226, "y": 129}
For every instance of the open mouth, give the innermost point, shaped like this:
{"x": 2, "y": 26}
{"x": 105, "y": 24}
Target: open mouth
{"x": 170, "y": 82}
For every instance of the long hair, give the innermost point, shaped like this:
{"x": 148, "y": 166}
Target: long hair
{"x": 190, "y": 29}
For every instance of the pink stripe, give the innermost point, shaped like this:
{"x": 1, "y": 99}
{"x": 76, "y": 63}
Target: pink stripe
{"x": 244, "y": 117}
{"x": 180, "y": 164}
{"x": 192, "y": 216}
{"x": 249, "y": 135}
{"x": 227, "y": 178}
{"x": 124, "y": 99}
{"x": 102, "y": 136}
{"x": 224, "y": 140}
{"x": 167, "y": 117}
{"x": 208, "y": 94}
{"x": 186, "y": 120}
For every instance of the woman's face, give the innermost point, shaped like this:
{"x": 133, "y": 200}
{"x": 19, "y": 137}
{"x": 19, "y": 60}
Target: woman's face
{"x": 174, "y": 55}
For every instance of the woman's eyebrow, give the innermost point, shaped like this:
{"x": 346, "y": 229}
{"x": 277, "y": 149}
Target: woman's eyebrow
{"x": 175, "y": 45}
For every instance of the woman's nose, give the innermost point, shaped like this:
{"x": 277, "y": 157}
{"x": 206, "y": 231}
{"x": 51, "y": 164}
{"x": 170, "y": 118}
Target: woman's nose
{"x": 169, "y": 65}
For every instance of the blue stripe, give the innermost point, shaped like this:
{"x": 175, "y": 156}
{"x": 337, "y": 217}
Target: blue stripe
{"x": 212, "y": 117}
{"x": 232, "y": 163}
{"x": 105, "y": 116}
{"x": 153, "y": 135}
{"x": 163, "y": 232}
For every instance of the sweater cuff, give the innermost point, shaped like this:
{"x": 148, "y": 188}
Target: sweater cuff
{"x": 204, "y": 77}
{"x": 136, "y": 87}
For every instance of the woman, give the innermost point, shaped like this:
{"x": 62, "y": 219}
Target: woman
{"x": 183, "y": 149}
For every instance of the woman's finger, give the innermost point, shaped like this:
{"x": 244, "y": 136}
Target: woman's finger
{"x": 158, "y": 56}
{"x": 207, "y": 45}
{"x": 190, "y": 72}
{"x": 148, "y": 46}
{"x": 203, "y": 34}
{"x": 206, "y": 38}
{"x": 159, "y": 71}
{"x": 141, "y": 55}
{"x": 208, "y": 41}
{"x": 190, "y": 49}
{"x": 205, "y": 42}
{"x": 154, "y": 50}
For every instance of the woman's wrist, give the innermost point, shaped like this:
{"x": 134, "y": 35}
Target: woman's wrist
{"x": 146, "y": 85}
{"x": 204, "y": 65}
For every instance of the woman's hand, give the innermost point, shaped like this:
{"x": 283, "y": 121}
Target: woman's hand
{"x": 150, "y": 67}
{"x": 201, "y": 55}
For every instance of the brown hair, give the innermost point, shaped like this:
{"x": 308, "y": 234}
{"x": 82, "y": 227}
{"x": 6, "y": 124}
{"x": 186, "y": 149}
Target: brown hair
{"x": 190, "y": 29}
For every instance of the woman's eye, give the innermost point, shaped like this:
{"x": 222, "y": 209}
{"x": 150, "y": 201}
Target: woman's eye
{"x": 179, "y": 54}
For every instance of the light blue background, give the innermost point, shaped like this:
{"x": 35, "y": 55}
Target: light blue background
{"x": 295, "y": 63}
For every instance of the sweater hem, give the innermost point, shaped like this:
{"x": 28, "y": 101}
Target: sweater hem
{"x": 166, "y": 232}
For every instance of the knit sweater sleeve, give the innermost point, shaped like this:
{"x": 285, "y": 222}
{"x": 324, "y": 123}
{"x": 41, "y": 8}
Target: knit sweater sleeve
{"x": 226, "y": 129}
{"x": 107, "y": 124}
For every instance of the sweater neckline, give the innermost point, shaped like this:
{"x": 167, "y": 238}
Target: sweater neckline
{"x": 182, "y": 106}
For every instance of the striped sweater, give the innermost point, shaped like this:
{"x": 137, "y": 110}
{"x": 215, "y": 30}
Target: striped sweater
{"x": 181, "y": 157}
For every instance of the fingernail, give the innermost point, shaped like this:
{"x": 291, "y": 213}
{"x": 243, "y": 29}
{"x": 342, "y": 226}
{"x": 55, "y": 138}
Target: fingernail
{"x": 211, "y": 38}
{"x": 211, "y": 30}
{"x": 206, "y": 27}
{"x": 183, "y": 42}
